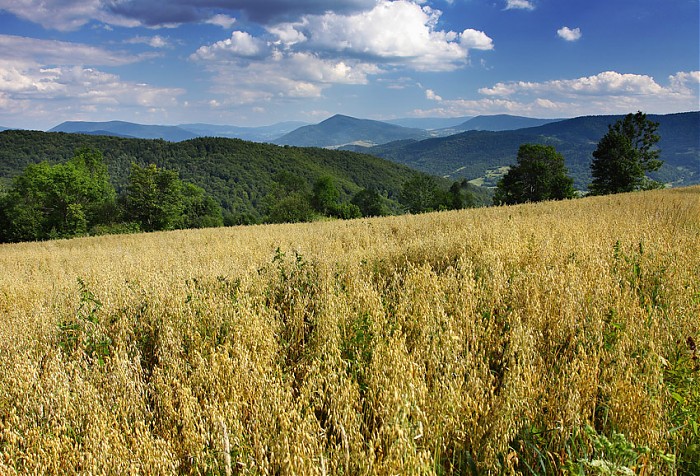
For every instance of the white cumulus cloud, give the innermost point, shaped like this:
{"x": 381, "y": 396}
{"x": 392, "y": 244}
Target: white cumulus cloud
{"x": 608, "y": 92}
{"x": 224, "y": 21}
{"x": 156, "y": 41}
{"x": 46, "y": 80}
{"x": 569, "y": 34}
{"x": 305, "y": 57}
{"x": 241, "y": 44}
{"x": 475, "y": 39}
{"x": 519, "y": 5}
{"x": 683, "y": 82}
{"x": 397, "y": 32}
{"x": 605, "y": 83}
{"x": 430, "y": 95}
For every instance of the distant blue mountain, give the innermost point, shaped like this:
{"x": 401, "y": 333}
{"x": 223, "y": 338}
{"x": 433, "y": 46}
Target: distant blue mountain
{"x": 107, "y": 133}
{"x": 496, "y": 123}
{"x": 429, "y": 123}
{"x": 255, "y": 134}
{"x": 126, "y": 129}
{"x": 341, "y": 130}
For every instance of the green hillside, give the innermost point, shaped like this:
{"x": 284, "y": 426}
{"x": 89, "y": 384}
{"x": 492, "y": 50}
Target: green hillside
{"x": 340, "y": 130}
{"x": 477, "y": 154}
{"x": 238, "y": 174}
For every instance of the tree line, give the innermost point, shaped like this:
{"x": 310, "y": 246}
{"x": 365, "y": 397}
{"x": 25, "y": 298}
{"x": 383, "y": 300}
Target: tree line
{"x": 620, "y": 163}
{"x": 76, "y": 198}
{"x": 293, "y": 200}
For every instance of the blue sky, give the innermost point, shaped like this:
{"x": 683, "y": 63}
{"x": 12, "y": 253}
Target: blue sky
{"x": 258, "y": 62}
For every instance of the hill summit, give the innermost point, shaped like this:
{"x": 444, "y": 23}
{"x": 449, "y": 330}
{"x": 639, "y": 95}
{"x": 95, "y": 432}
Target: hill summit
{"x": 341, "y": 130}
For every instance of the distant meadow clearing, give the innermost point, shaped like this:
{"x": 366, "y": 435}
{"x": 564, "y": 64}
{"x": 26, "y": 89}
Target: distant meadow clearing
{"x": 549, "y": 338}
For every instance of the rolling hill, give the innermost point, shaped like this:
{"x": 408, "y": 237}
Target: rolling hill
{"x": 503, "y": 122}
{"x": 126, "y": 129}
{"x": 496, "y": 123}
{"x": 237, "y": 173}
{"x": 342, "y": 130}
{"x": 482, "y": 155}
{"x": 429, "y": 123}
{"x": 180, "y": 132}
{"x": 255, "y": 134}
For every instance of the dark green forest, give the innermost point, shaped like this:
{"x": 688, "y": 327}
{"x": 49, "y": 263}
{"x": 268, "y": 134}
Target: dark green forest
{"x": 250, "y": 182}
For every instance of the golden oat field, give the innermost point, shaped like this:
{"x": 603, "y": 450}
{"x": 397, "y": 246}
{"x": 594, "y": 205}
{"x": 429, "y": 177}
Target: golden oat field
{"x": 550, "y": 338}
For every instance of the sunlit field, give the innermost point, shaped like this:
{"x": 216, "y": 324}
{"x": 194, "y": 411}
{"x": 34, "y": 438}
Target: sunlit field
{"x": 538, "y": 339}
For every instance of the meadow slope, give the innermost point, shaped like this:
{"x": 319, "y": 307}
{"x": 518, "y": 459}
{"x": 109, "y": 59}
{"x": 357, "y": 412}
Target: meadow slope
{"x": 531, "y": 339}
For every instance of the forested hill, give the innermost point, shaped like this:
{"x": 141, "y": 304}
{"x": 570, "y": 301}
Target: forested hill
{"x": 341, "y": 130}
{"x": 238, "y": 174}
{"x": 476, "y": 154}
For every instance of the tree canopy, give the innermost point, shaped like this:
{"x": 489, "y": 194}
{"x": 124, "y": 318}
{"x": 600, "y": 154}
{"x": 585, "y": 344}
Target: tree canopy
{"x": 57, "y": 201}
{"x": 539, "y": 175}
{"x": 624, "y": 155}
{"x": 76, "y": 198}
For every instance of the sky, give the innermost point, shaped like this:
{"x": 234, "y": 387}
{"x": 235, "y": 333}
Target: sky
{"x": 260, "y": 62}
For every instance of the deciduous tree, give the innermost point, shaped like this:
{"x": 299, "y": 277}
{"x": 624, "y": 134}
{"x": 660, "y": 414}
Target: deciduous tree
{"x": 624, "y": 155}
{"x": 420, "y": 194}
{"x": 59, "y": 201}
{"x": 154, "y": 198}
{"x": 539, "y": 175}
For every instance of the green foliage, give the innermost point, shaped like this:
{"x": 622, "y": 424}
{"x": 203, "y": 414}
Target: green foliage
{"x": 237, "y": 174}
{"x": 325, "y": 195}
{"x": 682, "y": 380}
{"x": 293, "y": 208}
{"x": 289, "y": 200}
{"x": 346, "y": 211}
{"x": 57, "y": 201}
{"x": 249, "y": 182}
{"x": 624, "y": 155}
{"x": 369, "y": 203}
{"x": 76, "y": 198}
{"x": 84, "y": 332}
{"x": 200, "y": 210}
{"x": 154, "y": 198}
{"x": 461, "y": 195}
{"x": 614, "y": 455}
{"x": 424, "y": 193}
{"x": 420, "y": 194}
{"x": 539, "y": 175}
{"x": 157, "y": 199}
{"x": 115, "y": 229}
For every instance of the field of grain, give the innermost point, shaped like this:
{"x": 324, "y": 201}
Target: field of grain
{"x": 537, "y": 339}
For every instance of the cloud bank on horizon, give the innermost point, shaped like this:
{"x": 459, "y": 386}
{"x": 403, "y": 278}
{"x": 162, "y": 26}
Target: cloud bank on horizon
{"x": 252, "y": 62}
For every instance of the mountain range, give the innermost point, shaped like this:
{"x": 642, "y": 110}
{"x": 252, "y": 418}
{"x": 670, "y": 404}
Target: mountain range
{"x": 479, "y": 148}
{"x": 176, "y": 133}
{"x": 483, "y": 156}
{"x": 125, "y": 129}
{"x": 334, "y": 132}
{"x": 255, "y": 134}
